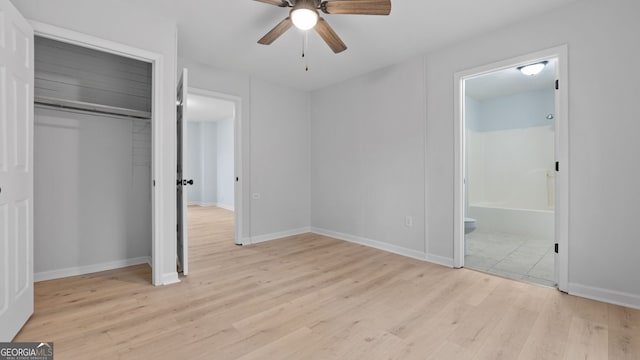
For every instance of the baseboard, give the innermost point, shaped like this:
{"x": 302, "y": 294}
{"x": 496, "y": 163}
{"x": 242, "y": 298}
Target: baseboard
{"x": 371, "y": 243}
{"x": 88, "y": 269}
{"x": 605, "y": 295}
{"x": 440, "y": 260}
{"x": 225, "y": 206}
{"x": 170, "y": 278}
{"x": 198, "y": 203}
{"x": 279, "y": 235}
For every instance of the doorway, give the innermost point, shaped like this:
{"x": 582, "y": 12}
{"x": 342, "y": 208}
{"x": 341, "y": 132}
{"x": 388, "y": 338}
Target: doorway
{"x": 510, "y": 198}
{"x": 209, "y": 167}
{"x": 509, "y": 173}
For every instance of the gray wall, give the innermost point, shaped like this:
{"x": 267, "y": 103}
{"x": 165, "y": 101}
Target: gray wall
{"x": 375, "y": 121}
{"x": 367, "y": 156}
{"x": 602, "y": 42}
{"x": 280, "y": 169}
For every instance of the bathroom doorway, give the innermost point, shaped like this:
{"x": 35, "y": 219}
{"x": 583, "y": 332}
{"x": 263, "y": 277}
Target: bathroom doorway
{"x": 511, "y": 129}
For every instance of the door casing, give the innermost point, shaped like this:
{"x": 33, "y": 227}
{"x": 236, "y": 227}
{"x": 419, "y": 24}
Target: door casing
{"x": 561, "y": 230}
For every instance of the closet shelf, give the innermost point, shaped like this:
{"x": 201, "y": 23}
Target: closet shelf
{"x": 97, "y": 108}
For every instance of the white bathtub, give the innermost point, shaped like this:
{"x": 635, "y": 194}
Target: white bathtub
{"x": 495, "y": 219}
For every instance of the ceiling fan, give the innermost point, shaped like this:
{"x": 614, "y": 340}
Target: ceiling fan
{"x": 304, "y": 15}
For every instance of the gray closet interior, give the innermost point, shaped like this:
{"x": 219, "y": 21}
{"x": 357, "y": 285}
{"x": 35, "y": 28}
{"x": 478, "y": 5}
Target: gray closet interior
{"x": 92, "y": 160}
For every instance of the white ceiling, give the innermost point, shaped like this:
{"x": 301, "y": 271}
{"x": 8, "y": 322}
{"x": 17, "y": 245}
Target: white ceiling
{"x": 223, "y": 34}
{"x": 510, "y": 81}
{"x": 204, "y": 108}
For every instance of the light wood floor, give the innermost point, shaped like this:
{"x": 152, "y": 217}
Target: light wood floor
{"x": 313, "y": 297}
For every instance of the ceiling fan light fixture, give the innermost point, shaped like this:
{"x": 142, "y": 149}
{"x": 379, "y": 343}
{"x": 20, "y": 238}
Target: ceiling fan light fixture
{"x": 304, "y": 19}
{"x": 533, "y": 69}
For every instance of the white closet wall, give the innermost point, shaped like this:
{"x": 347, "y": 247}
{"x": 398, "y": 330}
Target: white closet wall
{"x": 92, "y": 170}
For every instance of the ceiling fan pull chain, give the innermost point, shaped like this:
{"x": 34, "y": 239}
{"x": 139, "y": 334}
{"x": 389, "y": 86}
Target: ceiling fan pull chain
{"x": 304, "y": 43}
{"x": 305, "y": 46}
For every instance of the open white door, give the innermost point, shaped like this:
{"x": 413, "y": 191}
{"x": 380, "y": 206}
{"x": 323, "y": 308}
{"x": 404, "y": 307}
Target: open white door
{"x": 183, "y": 236}
{"x": 16, "y": 171}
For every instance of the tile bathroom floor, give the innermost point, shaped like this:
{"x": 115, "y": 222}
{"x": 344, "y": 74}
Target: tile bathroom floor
{"x": 512, "y": 256}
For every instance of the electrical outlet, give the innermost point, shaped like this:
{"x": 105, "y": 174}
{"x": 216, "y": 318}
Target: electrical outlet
{"x": 408, "y": 221}
{"x": 256, "y": 196}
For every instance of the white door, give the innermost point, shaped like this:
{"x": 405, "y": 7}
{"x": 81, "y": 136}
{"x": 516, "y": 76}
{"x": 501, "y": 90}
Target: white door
{"x": 16, "y": 171}
{"x": 183, "y": 238}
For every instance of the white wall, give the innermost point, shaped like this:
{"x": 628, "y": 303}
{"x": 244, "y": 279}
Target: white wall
{"x": 510, "y": 151}
{"x": 602, "y": 38}
{"x": 210, "y": 163}
{"x": 515, "y": 111}
{"x": 193, "y": 167}
{"x": 511, "y": 168}
{"x": 141, "y": 30}
{"x": 93, "y": 201}
{"x": 367, "y": 156}
{"x": 225, "y": 162}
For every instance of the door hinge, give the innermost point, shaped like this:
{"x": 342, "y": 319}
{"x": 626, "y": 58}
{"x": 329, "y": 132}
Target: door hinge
{"x": 154, "y": 183}
{"x": 557, "y": 165}
{"x": 557, "y": 84}
{"x": 556, "y": 248}
{"x": 237, "y": 179}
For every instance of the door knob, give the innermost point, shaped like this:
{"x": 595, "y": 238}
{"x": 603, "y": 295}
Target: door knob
{"x": 190, "y": 181}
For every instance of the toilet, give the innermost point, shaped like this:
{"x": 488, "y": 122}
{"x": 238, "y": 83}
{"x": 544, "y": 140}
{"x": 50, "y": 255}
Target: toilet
{"x": 469, "y": 225}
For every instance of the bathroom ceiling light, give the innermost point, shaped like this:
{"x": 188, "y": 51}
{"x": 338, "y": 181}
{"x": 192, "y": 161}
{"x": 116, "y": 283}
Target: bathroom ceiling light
{"x": 304, "y": 15}
{"x": 533, "y": 69}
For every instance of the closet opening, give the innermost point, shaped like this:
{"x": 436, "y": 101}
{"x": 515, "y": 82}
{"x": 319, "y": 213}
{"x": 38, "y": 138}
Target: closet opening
{"x": 92, "y": 161}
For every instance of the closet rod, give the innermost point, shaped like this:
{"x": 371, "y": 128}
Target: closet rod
{"x": 97, "y": 108}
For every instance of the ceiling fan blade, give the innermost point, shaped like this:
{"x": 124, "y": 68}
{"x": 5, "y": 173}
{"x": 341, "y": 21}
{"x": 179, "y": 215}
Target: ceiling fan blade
{"x": 276, "y": 32}
{"x": 358, "y": 7}
{"x": 329, "y": 36}
{"x": 281, "y": 3}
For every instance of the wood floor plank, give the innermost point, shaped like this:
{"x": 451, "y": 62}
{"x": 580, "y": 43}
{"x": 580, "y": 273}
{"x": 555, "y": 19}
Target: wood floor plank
{"x": 313, "y": 297}
{"x": 624, "y": 327}
{"x": 587, "y": 340}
